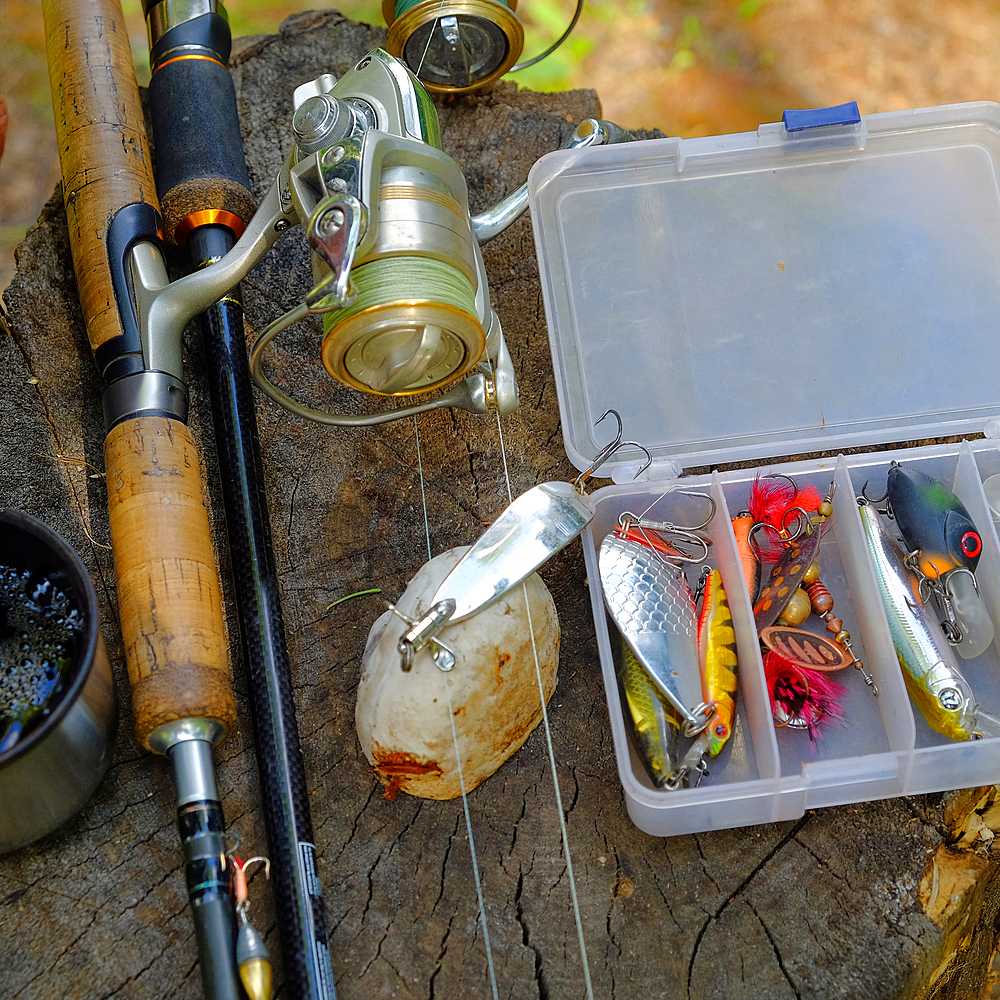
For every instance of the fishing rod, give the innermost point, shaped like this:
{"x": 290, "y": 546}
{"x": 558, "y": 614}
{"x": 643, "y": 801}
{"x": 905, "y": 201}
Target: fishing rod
{"x": 169, "y": 597}
{"x": 206, "y": 202}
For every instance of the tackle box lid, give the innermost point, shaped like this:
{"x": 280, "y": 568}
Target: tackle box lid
{"x": 826, "y": 282}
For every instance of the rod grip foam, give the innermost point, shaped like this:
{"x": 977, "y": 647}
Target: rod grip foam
{"x": 168, "y": 585}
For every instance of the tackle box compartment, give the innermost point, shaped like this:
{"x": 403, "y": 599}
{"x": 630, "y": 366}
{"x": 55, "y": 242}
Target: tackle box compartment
{"x": 826, "y": 284}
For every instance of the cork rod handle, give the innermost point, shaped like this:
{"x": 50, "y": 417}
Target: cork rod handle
{"x": 168, "y": 587}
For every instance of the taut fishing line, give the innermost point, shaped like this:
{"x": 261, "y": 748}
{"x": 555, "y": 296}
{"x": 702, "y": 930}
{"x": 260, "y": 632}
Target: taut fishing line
{"x": 552, "y": 755}
{"x": 458, "y": 754}
{"x": 430, "y": 35}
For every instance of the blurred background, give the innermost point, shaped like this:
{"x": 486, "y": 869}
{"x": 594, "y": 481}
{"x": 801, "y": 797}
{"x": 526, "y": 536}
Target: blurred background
{"x": 688, "y": 67}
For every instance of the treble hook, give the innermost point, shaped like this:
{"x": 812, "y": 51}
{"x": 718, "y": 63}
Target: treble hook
{"x": 873, "y": 500}
{"x": 609, "y": 449}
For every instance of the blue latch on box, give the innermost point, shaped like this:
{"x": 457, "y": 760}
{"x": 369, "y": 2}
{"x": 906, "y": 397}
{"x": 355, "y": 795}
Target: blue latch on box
{"x": 839, "y": 114}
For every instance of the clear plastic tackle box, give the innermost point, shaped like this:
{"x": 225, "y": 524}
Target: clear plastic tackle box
{"x": 822, "y": 285}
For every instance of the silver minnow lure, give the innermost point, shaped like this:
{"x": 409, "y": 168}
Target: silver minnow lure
{"x": 933, "y": 679}
{"x": 653, "y": 608}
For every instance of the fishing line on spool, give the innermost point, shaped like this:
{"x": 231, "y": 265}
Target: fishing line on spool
{"x": 458, "y": 754}
{"x": 552, "y": 755}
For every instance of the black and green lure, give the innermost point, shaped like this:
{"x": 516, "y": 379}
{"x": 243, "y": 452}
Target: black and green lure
{"x": 943, "y": 545}
{"x": 933, "y": 522}
{"x": 39, "y": 636}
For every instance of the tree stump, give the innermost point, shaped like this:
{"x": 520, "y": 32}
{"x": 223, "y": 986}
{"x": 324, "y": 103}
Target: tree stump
{"x": 893, "y": 899}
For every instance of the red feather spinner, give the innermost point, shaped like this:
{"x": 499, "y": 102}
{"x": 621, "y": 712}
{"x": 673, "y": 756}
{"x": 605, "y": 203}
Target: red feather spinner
{"x": 772, "y": 501}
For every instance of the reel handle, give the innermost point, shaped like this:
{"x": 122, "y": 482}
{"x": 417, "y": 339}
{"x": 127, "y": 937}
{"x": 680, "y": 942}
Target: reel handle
{"x": 168, "y": 587}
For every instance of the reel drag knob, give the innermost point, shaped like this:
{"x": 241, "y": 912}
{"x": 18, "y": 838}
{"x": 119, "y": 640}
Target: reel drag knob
{"x": 322, "y": 121}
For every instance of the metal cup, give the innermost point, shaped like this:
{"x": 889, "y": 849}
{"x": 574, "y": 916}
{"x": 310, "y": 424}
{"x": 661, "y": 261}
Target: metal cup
{"x": 47, "y": 776}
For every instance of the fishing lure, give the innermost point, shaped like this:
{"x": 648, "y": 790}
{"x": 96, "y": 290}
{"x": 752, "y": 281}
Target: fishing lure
{"x": 944, "y": 546}
{"x": 933, "y": 522}
{"x": 653, "y": 608}
{"x": 252, "y": 956}
{"x": 655, "y": 728}
{"x": 718, "y": 660}
{"x": 933, "y": 679}
{"x": 801, "y": 698}
{"x": 743, "y": 524}
{"x": 719, "y": 668}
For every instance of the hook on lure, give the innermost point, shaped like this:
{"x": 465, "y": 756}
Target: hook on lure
{"x": 609, "y": 449}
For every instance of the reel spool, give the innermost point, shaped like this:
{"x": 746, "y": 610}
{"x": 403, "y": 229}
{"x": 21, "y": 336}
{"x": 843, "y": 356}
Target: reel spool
{"x": 413, "y": 326}
{"x": 454, "y": 45}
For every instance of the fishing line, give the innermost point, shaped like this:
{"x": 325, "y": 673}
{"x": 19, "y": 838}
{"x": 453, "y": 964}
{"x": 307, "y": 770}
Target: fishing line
{"x": 552, "y": 755}
{"x": 430, "y": 35}
{"x": 423, "y": 495}
{"x": 458, "y": 754}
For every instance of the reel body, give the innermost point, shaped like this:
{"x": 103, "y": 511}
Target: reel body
{"x": 399, "y": 274}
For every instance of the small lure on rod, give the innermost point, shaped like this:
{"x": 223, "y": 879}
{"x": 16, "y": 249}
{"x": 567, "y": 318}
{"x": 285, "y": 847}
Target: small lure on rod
{"x": 252, "y": 956}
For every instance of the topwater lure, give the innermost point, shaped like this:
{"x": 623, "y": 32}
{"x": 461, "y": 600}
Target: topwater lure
{"x": 943, "y": 546}
{"x": 933, "y": 679}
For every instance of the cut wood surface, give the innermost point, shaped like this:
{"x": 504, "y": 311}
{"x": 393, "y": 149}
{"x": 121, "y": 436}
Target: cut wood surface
{"x": 893, "y": 899}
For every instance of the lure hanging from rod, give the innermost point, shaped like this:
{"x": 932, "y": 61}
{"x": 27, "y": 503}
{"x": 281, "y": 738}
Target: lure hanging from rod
{"x": 252, "y": 956}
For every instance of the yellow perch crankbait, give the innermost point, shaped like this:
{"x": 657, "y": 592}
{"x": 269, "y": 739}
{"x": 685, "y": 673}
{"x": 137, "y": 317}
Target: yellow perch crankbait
{"x": 655, "y": 728}
{"x": 933, "y": 679}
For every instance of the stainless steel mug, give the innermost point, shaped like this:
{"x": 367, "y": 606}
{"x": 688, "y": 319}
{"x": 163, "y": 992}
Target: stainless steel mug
{"x": 49, "y": 773}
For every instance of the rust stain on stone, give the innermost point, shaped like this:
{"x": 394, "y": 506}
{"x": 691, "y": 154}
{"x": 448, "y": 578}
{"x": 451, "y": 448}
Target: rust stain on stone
{"x": 393, "y": 767}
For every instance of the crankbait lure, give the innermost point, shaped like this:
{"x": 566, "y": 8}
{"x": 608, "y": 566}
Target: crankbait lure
{"x": 934, "y": 681}
{"x": 944, "y": 546}
{"x": 655, "y": 728}
{"x": 719, "y": 668}
{"x": 39, "y": 635}
{"x": 933, "y": 522}
{"x": 717, "y": 656}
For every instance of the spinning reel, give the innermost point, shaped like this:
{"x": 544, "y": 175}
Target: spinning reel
{"x": 399, "y": 275}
